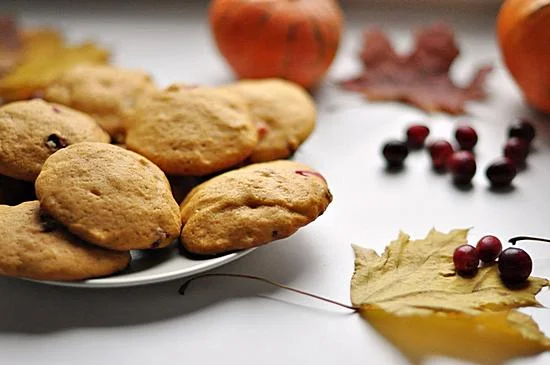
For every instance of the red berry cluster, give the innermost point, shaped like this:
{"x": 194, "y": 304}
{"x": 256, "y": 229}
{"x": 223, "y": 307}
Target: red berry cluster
{"x": 502, "y": 171}
{"x": 520, "y": 135}
{"x": 514, "y": 264}
{"x": 461, "y": 163}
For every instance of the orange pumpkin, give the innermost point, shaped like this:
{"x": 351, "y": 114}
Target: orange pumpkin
{"x": 523, "y": 28}
{"x": 292, "y": 39}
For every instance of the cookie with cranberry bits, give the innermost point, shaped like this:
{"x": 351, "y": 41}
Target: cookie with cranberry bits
{"x": 130, "y": 119}
{"x": 284, "y": 113}
{"x": 36, "y": 247}
{"x": 107, "y": 93}
{"x": 192, "y": 132}
{"x": 30, "y": 131}
{"x": 109, "y": 196}
{"x": 252, "y": 206}
{"x": 14, "y": 192}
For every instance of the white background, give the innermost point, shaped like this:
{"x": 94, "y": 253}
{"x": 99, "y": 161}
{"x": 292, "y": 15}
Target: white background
{"x": 228, "y": 321}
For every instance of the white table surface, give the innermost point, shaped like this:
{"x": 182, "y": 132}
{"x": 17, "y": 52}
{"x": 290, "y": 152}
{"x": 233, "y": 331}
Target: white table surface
{"x": 229, "y": 321}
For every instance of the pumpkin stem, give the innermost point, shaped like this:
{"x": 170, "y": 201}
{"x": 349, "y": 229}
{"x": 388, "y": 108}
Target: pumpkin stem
{"x": 185, "y": 285}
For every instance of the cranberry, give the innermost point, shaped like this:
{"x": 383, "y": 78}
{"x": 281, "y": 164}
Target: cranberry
{"x": 466, "y": 260}
{"x": 55, "y": 142}
{"x": 416, "y": 135}
{"x": 516, "y": 149}
{"x": 440, "y": 151}
{"x": 310, "y": 173}
{"x": 262, "y": 129}
{"x": 488, "y": 248}
{"x": 501, "y": 172}
{"x": 466, "y": 137}
{"x": 514, "y": 265}
{"x": 395, "y": 152}
{"x": 462, "y": 165}
{"x": 522, "y": 129}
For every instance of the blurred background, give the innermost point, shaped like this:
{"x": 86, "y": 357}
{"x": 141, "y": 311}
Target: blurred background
{"x": 68, "y": 4}
{"x": 170, "y": 29}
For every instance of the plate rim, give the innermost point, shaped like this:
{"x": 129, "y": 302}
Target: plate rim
{"x": 99, "y": 283}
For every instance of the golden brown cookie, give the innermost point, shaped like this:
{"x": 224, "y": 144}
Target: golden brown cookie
{"x": 30, "y": 131}
{"x": 13, "y": 192}
{"x": 34, "y": 246}
{"x": 109, "y": 196}
{"x": 105, "y": 92}
{"x": 252, "y": 206}
{"x": 192, "y": 131}
{"x": 283, "y": 112}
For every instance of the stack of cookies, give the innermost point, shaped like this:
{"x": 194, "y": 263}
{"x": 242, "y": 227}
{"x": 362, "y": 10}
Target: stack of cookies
{"x": 98, "y": 167}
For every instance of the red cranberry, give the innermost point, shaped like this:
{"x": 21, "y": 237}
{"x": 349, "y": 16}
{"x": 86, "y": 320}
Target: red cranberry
{"x": 263, "y": 128}
{"x": 310, "y": 173}
{"x": 488, "y": 248}
{"x": 466, "y": 260}
{"x": 55, "y": 142}
{"x": 514, "y": 265}
{"x": 440, "y": 151}
{"x": 416, "y": 135}
{"x": 462, "y": 165}
{"x": 516, "y": 149}
{"x": 395, "y": 152}
{"x": 522, "y": 129}
{"x": 466, "y": 137}
{"x": 501, "y": 172}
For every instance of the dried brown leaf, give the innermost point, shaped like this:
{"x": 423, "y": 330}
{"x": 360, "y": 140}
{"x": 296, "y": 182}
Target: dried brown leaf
{"x": 420, "y": 78}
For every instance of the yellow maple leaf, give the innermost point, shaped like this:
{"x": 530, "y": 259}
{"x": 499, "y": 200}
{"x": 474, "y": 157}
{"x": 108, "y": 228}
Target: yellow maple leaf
{"x": 489, "y": 338}
{"x": 412, "y": 295}
{"x": 43, "y": 57}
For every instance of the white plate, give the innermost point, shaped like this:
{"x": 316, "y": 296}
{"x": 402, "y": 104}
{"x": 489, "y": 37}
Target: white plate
{"x": 156, "y": 266}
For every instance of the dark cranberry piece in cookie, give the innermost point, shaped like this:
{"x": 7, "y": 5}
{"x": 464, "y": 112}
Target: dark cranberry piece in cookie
{"x": 56, "y": 142}
{"x": 310, "y": 173}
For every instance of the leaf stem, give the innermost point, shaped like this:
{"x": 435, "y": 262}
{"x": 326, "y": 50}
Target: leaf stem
{"x": 514, "y": 240}
{"x": 185, "y": 285}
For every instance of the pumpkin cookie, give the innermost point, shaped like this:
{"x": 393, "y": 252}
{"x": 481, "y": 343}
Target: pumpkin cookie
{"x": 192, "y": 131}
{"x": 109, "y": 196}
{"x": 34, "y": 246}
{"x": 13, "y": 192}
{"x": 30, "y": 131}
{"x": 252, "y": 206}
{"x": 283, "y": 112}
{"x": 107, "y": 93}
